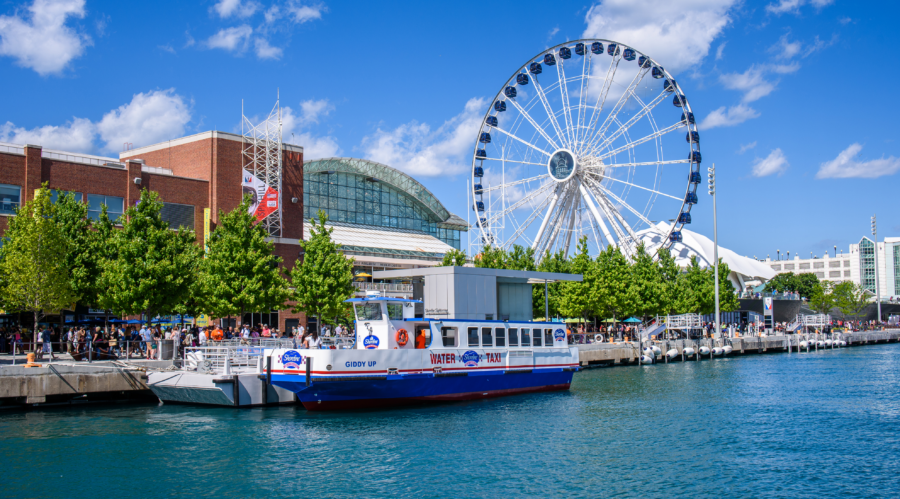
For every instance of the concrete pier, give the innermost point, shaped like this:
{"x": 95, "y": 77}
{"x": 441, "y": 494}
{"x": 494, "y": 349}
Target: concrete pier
{"x": 608, "y": 354}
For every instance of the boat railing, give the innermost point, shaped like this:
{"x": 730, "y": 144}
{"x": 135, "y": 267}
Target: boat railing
{"x": 216, "y": 358}
{"x": 338, "y": 342}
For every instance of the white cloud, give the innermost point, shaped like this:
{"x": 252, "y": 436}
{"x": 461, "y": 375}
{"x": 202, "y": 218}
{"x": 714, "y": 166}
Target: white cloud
{"x": 231, "y": 39}
{"x": 42, "y": 41}
{"x": 149, "y": 118}
{"x": 228, "y": 8}
{"x": 272, "y": 14}
{"x": 786, "y": 49}
{"x": 75, "y": 136}
{"x": 266, "y": 51}
{"x": 845, "y": 20}
{"x": 415, "y": 149}
{"x": 552, "y": 33}
{"x": 294, "y": 129}
{"x": 734, "y": 115}
{"x": 775, "y": 162}
{"x": 673, "y": 33}
{"x": 752, "y": 82}
{"x": 720, "y": 52}
{"x": 168, "y": 48}
{"x": 300, "y": 13}
{"x": 845, "y": 165}
{"x": 793, "y": 6}
{"x": 747, "y": 147}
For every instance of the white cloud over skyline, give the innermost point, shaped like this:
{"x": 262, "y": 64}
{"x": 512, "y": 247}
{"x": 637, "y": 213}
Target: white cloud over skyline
{"x": 774, "y": 163}
{"x": 846, "y": 165}
{"x": 734, "y": 115}
{"x": 41, "y": 40}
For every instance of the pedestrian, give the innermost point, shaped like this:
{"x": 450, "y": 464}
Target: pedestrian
{"x": 202, "y": 337}
{"x": 312, "y": 342}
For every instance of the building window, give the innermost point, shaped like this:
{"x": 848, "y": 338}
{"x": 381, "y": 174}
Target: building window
{"x": 846, "y": 263}
{"x": 54, "y": 195}
{"x": 867, "y": 264}
{"x": 115, "y": 206}
{"x": 897, "y": 269}
{"x": 820, "y": 275}
{"x": 789, "y": 266}
{"x": 818, "y": 265}
{"x": 834, "y": 273}
{"x": 776, "y": 267}
{"x": 804, "y": 266}
{"x": 10, "y": 197}
{"x": 834, "y": 264}
{"x": 178, "y": 215}
{"x": 846, "y": 273}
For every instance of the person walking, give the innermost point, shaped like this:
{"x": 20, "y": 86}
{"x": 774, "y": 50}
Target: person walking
{"x": 312, "y": 342}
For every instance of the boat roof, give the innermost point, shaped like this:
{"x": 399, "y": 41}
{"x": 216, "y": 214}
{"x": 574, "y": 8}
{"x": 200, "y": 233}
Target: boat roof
{"x": 382, "y": 298}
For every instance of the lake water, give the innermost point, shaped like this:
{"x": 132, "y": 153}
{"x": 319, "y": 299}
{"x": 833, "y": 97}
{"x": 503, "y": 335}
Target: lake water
{"x": 782, "y": 425}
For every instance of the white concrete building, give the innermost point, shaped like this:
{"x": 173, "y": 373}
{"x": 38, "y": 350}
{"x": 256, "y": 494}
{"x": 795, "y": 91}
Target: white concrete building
{"x": 856, "y": 265}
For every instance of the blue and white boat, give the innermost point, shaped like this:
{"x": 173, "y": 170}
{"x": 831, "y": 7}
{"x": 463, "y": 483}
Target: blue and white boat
{"x": 399, "y": 361}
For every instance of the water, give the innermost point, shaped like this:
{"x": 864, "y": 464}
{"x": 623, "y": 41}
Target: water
{"x": 785, "y": 425}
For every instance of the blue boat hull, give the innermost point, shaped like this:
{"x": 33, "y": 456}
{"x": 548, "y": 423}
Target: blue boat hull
{"x": 387, "y": 391}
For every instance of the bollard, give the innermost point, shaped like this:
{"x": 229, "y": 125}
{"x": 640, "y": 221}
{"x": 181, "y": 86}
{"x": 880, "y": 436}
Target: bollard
{"x": 309, "y": 362}
{"x": 269, "y": 370}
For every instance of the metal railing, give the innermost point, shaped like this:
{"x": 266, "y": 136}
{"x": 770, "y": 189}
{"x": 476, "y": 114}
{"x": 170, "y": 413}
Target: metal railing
{"x": 82, "y": 158}
{"x": 384, "y": 286}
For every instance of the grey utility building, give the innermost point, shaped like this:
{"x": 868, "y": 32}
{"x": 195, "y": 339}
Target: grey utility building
{"x": 474, "y": 293}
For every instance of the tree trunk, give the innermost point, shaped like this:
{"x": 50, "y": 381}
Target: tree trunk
{"x": 34, "y": 333}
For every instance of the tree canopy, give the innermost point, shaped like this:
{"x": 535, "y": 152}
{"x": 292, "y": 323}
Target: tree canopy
{"x": 800, "y": 283}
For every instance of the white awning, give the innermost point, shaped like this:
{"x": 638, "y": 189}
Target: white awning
{"x": 370, "y": 237}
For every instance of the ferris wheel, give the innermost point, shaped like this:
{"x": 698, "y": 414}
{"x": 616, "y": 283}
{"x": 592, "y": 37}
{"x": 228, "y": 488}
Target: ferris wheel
{"x": 588, "y": 138}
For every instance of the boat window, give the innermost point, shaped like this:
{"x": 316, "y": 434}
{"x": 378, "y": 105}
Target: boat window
{"x": 449, "y": 336}
{"x": 487, "y": 337}
{"x": 395, "y": 311}
{"x": 536, "y": 338}
{"x": 513, "y": 337}
{"x": 368, "y": 311}
{"x": 423, "y": 337}
{"x": 526, "y": 337}
{"x": 501, "y": 336}
{"x": 548, "y": 337}
{"x": 473, "y": 337}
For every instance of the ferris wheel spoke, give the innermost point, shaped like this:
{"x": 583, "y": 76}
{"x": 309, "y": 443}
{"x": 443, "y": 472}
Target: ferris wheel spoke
{"x": 515, "y": 183}
{"x": 546, "y": 102}
{"x": 624, "y": 223}
{"x": 645, "y": 163}
{"x": 534, "y": 124}
{"x": 601, "y": 100}
{"x": 575, "y": 202}
{"x": 583, "y": 87}
{"x": 628, "y": 124}
{"x": 608, "y": 214}
{"x": 518, "y": 204}
{"x": 596, "y": 213}
{"x": 529, "y": 144}
{"x": 642, "y": 140}
{"x": 596, "y": 175}
{"x": 627, "y": 206}
{"x": 514, "y": 161}
{"x": 538, "y": 209}
{"x": 557, "y": 219}
{"x": 638, "y": 77}
{"x": 553, "y": 200}
{"x": 564, "y": 95}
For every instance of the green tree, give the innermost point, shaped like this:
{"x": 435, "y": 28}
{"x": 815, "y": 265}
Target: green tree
{"x": 240, "y": 274}
{"x": 804, "y": 284}
{"x": 552, "y": 262}
{"x": 151, "y": 268}
{"x": 323, "y": 279}
{"x": 85, "y": 255}
{"x": 822, "y": 299}
{"x": 33, "y": 261}
{"x": 491, "y": 258}
{"x": 454, "y": 258}
{"x": 669, "y": 273}
{"x": 728, "y": 295}
{"x": 578, "y": 299}
{"x": 850, "y": 298}
{"x": 611, "y": 283}
{"x": 693, "y": 288}
{"x": 646, "y": 289}
{"x": 520, "y": 259}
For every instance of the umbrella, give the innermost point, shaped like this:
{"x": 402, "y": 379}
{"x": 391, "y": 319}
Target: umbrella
{"x": 631, "y": 319}
{"x": 611, "y": 320}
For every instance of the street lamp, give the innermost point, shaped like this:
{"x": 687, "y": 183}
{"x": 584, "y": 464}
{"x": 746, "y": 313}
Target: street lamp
{"x": 778, "y": 254}
{"x": 877, "y": 289}
{"x": 712, "y": 192}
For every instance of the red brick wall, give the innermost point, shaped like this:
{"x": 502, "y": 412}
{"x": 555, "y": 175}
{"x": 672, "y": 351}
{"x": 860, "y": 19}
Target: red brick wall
{"x": 190, "y": 160}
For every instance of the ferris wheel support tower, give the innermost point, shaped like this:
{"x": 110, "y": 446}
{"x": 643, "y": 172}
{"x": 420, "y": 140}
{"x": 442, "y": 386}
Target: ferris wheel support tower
{"x": 261, "y": 153}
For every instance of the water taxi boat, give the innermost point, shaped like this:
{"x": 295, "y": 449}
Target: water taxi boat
{"x": 398, "y": 360}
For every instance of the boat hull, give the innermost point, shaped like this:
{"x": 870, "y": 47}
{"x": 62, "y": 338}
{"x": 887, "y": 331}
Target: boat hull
{"x": 399, "y": 390}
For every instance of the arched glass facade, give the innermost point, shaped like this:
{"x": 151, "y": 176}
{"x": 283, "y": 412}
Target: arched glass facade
{"x": 356, "y": 198}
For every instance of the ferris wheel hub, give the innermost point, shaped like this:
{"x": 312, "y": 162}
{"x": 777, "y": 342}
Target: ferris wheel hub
{"x": 562, "y": 165}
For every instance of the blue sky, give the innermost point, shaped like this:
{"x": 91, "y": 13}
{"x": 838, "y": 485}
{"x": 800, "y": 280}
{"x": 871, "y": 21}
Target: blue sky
{"x": 795, "y": 98}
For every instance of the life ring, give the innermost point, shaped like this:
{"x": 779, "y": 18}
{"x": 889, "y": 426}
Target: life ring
{"x": 598, "y": 338}
{"x": 402, "y": 337}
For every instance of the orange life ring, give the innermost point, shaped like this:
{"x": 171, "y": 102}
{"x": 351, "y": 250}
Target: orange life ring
{"x": 402, "y": 337}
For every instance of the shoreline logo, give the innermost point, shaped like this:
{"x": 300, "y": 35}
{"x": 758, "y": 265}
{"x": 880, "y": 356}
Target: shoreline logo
{"x": 559, "y": 335}
{"x": 371, "y": 342}
{"x": 470, "y": 358}
{"x": 291, "y": 359}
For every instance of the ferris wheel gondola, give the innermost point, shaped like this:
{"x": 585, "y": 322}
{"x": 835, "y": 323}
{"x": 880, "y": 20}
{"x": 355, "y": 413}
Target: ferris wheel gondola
{"x": 581, "y": 141}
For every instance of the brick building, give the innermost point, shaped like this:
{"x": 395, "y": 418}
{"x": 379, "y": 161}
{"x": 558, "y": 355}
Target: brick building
{"x": 191, "y": 174}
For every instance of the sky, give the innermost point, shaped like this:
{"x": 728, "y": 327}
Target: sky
{"x": 794, "y": 98}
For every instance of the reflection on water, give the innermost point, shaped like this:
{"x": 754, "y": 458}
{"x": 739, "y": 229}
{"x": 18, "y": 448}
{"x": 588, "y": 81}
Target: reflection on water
{"x": 775, "y": 425}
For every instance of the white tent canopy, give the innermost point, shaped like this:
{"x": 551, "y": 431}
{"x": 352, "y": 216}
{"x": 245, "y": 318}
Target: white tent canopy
{"x": 743, "y": 269}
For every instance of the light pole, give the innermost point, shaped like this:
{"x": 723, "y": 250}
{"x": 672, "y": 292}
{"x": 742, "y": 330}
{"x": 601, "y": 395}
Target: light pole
{"x": 877, "y": 290}
{"x": 712, "y": 192}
